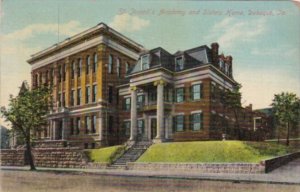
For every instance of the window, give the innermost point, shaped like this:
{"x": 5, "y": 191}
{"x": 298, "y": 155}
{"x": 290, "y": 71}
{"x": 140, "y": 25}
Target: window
{"x": 140, "y": 126}
{"x": 179, "y": 63}
{"x": 140, "y": 101}
{"x": 127, "y": 128}
{"x": 110, "y": 124}
{"x": 221, "y": 64}
{"x": 73, "y": 70}
{"x": 179, "y": 122}
{"x": 52, "y": 76}
{"x": 64, "y": 69}
{"x": 47, "y": 75}
{"x": 118, "y": 67}
{"x": 213, "y": 91}
{"x": 71, "y": 126}
{"x": 94, "y": 93}
{"x": 72, "y": 98}
{"x": 36, "y": 79}
{"x": 88, "y": 65}
{"x": 77, "y": 125}
{"x": 95, "y": 62}
{"x": 196, "y": 92}
{"x": 87, "y": 94}
{"x": 79, "y": 66}
{"x": 94, "y": 123}
{"x": 78, "y": 96}
{"x": 179, "y": 95}
{"x": 127, "y": 103}
{"x": 59, "y": 100}
{"x": 196, "y": 121}
{"x": 126, "y": 67}
{"x": 226, "y": 69}
{"x": 110, "y": 94}
{"x": 59, "y": 73}
{"x": 63, "y": 99}
{"x": 110, "y": 64}
{"x": 87, "y": 122}
{"x": 145, "y": 62}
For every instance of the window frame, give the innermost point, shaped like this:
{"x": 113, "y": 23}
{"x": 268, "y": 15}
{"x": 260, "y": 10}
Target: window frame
{"x": 127, "y": 106}
{"x": 176, "y": 119}
{"x": 179, "y": 67}
{"x": 177, "y": 96}
{"x": 198, "y": 121}
{"x": 145, "y": 65}
{"x": 110, "y": 64}
{"x": 193, "y": 91}
{"x": 87, "y": 64}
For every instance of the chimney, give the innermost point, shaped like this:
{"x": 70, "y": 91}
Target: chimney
{"x": 229, "y": 61}
{"x": 215, "y": 52}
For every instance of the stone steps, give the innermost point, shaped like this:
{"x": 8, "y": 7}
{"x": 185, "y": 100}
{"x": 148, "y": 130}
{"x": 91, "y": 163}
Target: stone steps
{"x": 131, "y": 155}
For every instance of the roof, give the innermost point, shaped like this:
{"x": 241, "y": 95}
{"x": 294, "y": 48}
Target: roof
{"x": 79, "y": 36}
{"x": 159, "y": 57}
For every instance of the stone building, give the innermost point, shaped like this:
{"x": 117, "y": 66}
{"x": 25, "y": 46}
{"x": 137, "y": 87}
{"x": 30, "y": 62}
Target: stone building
{"x": 108, "y": 89}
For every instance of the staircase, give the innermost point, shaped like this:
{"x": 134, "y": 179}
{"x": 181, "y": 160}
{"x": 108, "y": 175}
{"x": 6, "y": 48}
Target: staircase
{"x": 131, "y": 155}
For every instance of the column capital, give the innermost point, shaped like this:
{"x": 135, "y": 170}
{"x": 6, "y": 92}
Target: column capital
{"x": 159, "y": 82}
{"x": 67, "y": 60}
{"x": 133, "y": 88}
{"x": 101, "y": 47}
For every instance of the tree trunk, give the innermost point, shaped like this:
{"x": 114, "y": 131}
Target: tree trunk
{"x": 29, "y": 155}
{"x": 288, "y": 135}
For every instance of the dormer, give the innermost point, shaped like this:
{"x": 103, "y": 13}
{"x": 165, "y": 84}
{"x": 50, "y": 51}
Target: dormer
{"x": 145, "y": 62}
{"x": 179, "y": 63}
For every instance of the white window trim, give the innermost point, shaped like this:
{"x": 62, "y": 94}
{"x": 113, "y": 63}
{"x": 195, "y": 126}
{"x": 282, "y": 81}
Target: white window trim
{"x": 179, "y": 86}
{"x": 177, "y": 114}
{"x": 198, "y": 111}
{"x": 196, "y": 83}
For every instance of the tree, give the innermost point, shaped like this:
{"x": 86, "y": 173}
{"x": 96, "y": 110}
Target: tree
{"x": 27, "y": 114}
{"x": 286, "y": 108}
{"x": 232, "y": 101}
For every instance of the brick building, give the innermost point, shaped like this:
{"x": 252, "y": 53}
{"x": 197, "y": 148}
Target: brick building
{"x": 108, "y": 89}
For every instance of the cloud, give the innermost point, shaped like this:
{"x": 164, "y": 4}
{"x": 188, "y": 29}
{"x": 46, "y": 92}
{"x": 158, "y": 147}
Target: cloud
{"x": 128, "y": 23}
{"x": 66, "y": 29}
{"x": 230, "y": 31}
{"x": 15, "y": 50}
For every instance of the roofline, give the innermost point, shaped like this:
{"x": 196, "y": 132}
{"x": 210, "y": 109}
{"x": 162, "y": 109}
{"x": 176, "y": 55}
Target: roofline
{"x": 78, "y": 35}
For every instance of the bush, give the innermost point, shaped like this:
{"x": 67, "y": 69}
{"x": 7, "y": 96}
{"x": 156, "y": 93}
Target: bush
{"x": 106, "y": 154}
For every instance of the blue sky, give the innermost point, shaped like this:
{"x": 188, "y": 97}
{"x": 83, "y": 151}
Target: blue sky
{"x": 263, "y": 37}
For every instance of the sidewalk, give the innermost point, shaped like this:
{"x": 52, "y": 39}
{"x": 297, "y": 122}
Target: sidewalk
{"x": 288, "y": 174}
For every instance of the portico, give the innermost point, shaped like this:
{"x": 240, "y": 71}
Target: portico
{"x": 153, "y": 109}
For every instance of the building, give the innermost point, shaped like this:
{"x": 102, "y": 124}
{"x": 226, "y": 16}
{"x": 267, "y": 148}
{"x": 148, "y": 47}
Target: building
{"x": 108, "y": 90}
{"x": 84, "y": 71}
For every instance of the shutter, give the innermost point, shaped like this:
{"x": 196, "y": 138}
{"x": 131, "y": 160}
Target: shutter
{"x": 201, "y": 119}
{"x": 184, "y": 95}
{"x": 184, "y": 125}
{"x": 191, "y": 122}
{"x": 191, "y": 93}
{"x": 174, "y": 124}
{"x": 174, "y": 95}
{"x": 201, "y": 91}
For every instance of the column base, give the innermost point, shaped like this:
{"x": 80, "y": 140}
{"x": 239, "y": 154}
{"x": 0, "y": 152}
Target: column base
{"x": 158, "y": 140}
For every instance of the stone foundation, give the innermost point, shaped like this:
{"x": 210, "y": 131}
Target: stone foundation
{"x": 60, "y": 157}
{"x": 13, "y": 157}
{"x": 237, "y": 168}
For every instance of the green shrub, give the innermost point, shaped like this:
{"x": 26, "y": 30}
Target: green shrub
{"x": 106, "y": 154}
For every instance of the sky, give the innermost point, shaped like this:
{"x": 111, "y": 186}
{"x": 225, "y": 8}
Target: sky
{"x": 262, "y": 36}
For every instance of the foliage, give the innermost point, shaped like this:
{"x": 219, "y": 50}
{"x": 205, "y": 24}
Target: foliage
{"x": 209, "y": 151}
{"x": 27, "y": 112}
{"x": 106, "y": 155}
{"x": 286, "y": 107}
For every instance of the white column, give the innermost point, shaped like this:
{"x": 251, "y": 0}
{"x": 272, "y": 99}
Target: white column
{"x": 133, "y": 114}
{"x": 64, "y": 128}
{"x": 54, "y": 129}
{"x": 100, "y": 127}
{"x": 160, "y": 110}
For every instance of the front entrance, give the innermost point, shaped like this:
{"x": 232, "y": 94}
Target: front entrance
{"x": 153, "y": 124}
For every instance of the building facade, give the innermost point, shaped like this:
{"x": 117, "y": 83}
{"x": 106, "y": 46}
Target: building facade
{"x": 108, "y": 89}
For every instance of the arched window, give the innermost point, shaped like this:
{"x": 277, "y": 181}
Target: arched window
{"x": 95, "y": 63}
{"x": 118, "y": 67}
{"x": 110, "y": 63}
{"x": 88, "y": 64}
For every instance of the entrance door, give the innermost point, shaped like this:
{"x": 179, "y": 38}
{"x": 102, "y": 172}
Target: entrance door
{"x": 59, "y": 134}
{"x": 153, "y": 128}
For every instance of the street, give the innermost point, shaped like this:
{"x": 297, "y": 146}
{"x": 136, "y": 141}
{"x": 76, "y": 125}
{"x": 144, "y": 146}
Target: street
{"x": 40, "y": 181}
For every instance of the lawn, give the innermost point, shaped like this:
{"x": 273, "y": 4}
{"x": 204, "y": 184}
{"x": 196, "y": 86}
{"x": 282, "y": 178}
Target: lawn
{"x": 106, "y": 154}
{"x": 212, "y": 151}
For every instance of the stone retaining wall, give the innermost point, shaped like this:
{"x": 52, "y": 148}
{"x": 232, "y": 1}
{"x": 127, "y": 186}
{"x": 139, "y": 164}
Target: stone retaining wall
{"x": 276, "y": 162}
{"x": 60, "y": 157}
{"x": 49, "y": 144}
{"x": 237, "y": 168}
{"x": 13, "y": 157}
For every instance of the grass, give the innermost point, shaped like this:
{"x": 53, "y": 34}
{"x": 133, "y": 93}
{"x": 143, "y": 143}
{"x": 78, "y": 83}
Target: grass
{"x": 212, "y": 151}
{"x": 105, "y": 155}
